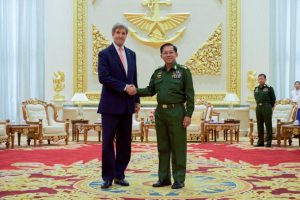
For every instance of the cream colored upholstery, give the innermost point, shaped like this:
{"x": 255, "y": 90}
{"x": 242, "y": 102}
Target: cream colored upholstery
{"x": 203, "y": 111}
{"x": 4, "y": 138}
{"x": 2, "y": 130}
{"x": 137, "y": 127}
{"x": 52, "y": 129}
{"x": 284, "y": 112}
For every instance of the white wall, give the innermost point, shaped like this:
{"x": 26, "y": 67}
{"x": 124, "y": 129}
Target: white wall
{"x": 59, "y": 42}
{"x": 255, "y": 30}
{"x": 58, "y": 45}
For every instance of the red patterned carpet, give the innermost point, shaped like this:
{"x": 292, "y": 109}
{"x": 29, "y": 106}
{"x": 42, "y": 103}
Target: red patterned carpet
{"x": 215, "y": 171}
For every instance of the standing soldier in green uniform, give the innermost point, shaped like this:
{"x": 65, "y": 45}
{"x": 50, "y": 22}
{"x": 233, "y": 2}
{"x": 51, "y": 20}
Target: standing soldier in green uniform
{"x": 173, "y": 85}
{"x": 265, "y": 101}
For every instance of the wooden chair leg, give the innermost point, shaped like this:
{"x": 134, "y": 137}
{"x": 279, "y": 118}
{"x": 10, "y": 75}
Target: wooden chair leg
{"x": 19, "y": 139}
{"x": 28, "y": 141}
{"x": 290, "y": 142}
{"x": 99, "y": 136}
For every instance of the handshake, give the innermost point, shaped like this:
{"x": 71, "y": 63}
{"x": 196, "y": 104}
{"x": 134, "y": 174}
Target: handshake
{"x": 131, "y": 90}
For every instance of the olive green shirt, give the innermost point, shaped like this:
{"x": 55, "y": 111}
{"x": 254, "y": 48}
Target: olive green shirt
{"x": 264, "y": 94}
{"x": 172, "y": 87}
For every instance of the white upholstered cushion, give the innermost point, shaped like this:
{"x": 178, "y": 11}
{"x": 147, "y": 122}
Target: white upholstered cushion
{"x": 54, "y": 130}
{"x": 193, "y": 128}
{"x": 208, "y": 113}
{"x": 36, "y": 112}
{"x": 282, "y": 112}
{"x": 136, "y": 125}
{"x": 2, "y": 130}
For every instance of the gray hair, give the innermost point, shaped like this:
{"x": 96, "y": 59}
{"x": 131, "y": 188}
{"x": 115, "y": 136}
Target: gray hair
{"x": 119, "y": 26}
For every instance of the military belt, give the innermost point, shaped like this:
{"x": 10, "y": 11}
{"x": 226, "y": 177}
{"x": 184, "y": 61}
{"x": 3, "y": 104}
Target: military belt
{"x": 172, "y": 105}
{"x": 262, "y": 103}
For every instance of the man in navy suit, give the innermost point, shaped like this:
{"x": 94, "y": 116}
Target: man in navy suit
{"x": 116, "y": 72}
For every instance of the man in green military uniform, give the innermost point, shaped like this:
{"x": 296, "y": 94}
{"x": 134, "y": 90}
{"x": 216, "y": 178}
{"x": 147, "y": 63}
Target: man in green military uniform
{"x": 265, "y": 100}
{"x": 175, "y": 97}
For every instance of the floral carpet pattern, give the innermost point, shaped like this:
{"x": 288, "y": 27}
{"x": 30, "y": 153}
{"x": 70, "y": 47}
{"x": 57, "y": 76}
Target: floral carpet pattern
{"x": 214, "y": 171}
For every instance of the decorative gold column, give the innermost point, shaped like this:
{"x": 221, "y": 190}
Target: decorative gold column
{"x": 80, "y": 68}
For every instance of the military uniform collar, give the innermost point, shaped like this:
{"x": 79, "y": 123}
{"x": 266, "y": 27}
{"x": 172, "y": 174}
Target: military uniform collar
{"x": 265, "y": 85}
{"x": 174, "y": 67}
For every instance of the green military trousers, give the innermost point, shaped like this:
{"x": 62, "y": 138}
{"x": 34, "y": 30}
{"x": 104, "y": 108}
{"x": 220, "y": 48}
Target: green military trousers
{"x": 264, "y": 115}
{"x": 171, "y": 142}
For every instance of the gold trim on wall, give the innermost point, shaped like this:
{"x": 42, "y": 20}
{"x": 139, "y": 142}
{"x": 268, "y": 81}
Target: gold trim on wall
{"x": 233, "y": 47}
{"x": 80, "y": 68}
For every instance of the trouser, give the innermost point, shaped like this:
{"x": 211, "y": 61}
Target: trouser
{"x": 171, "y": 142}
{"x": 298, "y": 115}
{"x": 115, "y": 127}
{"x": 264, "y": 116}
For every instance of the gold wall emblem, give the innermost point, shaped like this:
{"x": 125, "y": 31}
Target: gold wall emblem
{"x": 155, "y": 25}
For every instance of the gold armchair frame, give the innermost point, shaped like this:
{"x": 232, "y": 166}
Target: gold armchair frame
{"x": 40, "y": 122}
{"x": 6, "y": 138}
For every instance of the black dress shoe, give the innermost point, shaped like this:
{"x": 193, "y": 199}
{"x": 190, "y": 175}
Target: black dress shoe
{"x": 106, "y": 184}
{"x": 268, "y": 145}
{"x": 259, "y": 145}
{"x": 177, "y": 185}
{"x": 121, "y": 182}
{"x": 161, "y": 183}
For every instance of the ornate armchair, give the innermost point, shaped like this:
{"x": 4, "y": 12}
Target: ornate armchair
{"x": 4, "y": 136}
{"x": 203, "y": 110}
{"x": 44, "y": 114}
{"x": 137, "y": 127}
{"x": 284, "y": 113}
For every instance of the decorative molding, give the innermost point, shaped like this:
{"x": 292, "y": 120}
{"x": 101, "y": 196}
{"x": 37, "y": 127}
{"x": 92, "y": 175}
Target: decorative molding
{"x": 251, "y": 83}
{"x": 207, "y": 60}
{"x": 233, "y": 47}
{"x": 232, "y": 43}
{"x": 58, "y": 84}
{"x": 80, "y": 46}
{"x": 99, "y": 43}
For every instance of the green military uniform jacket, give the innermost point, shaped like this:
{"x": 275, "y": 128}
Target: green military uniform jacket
{"x": 172, "y": 87}
{"x": 264, "y": 94}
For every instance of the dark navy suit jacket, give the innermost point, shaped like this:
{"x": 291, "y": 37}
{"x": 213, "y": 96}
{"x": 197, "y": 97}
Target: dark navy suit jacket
{"x": 111, "y": 73}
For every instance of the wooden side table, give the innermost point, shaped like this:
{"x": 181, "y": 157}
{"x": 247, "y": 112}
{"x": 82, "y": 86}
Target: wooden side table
{"x": 25, "y": 130}
{"x": 219, "y": 127}
{"x": 290, "y": 129}
{"x": 74, "y": 122}
{"x": 86, "y": 127}
{"x": 146, "y": 127}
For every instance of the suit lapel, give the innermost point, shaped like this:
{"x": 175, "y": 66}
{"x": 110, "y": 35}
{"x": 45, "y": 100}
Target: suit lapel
{"x": 117, "y": 57}
{"x": 128, "y": 57}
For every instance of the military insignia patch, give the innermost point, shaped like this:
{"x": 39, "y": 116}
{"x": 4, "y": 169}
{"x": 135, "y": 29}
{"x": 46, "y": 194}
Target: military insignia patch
{"x": 158, "y": 76}
{"x": 266, "y": 90}
{"x": 177, "y": 74}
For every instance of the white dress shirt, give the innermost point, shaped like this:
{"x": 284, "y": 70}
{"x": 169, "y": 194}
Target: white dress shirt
{"x": 295, "y": 95}
{"x": 124, "y": 55}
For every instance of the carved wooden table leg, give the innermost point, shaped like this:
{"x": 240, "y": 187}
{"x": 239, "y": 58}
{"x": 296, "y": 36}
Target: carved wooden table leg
{"x": 231, "y": 135}
{"x": 12, "y": 140}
